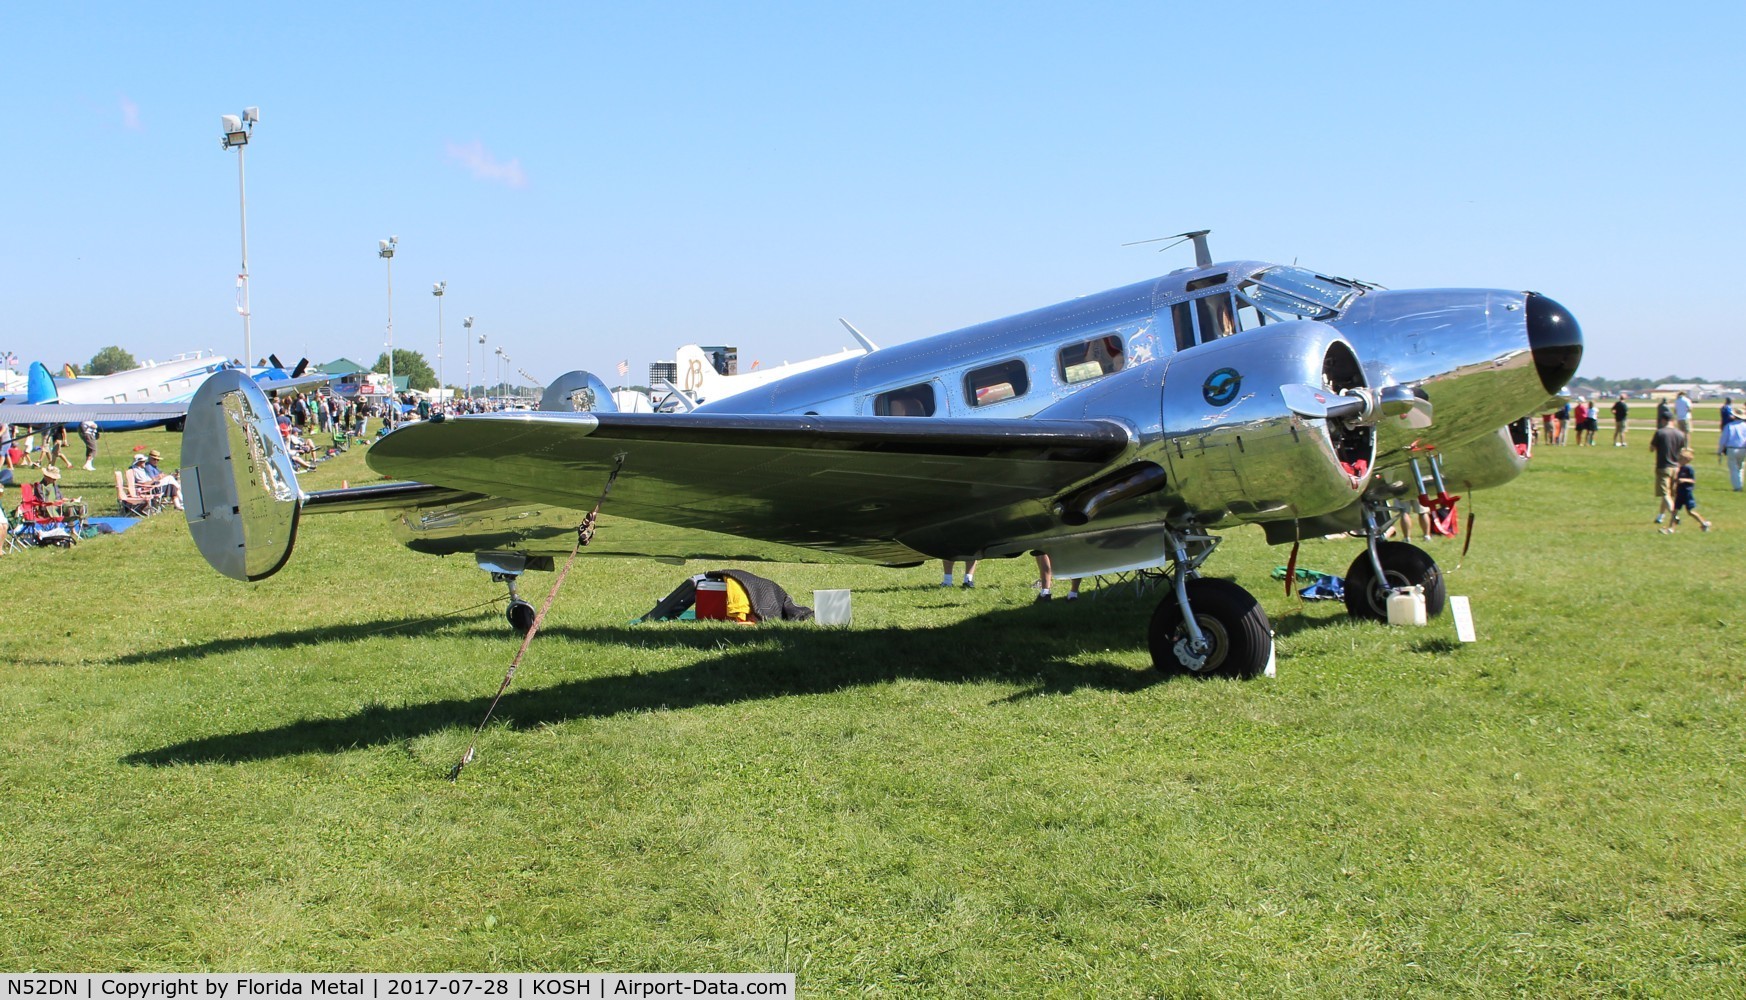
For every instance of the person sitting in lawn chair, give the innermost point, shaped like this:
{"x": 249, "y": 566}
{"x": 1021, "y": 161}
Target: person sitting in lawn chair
{"x": 43, "y": 510}
{"x": 167, "y": 486}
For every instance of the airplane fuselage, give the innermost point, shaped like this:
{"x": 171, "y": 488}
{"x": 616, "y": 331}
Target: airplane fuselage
{"x": 1215, "y": 343}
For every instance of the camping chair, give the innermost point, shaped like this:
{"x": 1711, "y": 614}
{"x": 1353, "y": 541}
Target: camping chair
{"x": 9, "y": 541}
{"x": 35, "y": 527}
{"x": 133, "y": 502}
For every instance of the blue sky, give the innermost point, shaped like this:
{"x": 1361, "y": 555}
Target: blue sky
{"x": 599, "y": 182}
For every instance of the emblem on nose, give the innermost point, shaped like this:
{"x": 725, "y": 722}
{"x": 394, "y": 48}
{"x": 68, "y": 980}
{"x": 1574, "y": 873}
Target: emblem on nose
{"x": 1221, "y": 387}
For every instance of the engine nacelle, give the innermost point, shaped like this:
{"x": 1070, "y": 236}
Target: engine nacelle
{"x": 1232, "y": 449}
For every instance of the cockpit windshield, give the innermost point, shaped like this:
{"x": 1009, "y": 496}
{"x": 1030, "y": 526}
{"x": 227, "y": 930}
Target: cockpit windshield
{"x": 1285, "y": 293}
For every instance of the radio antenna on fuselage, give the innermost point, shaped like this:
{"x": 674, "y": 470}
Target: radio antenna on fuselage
{"x": 1202, "y": 255}
{"x": 866, "y": 344}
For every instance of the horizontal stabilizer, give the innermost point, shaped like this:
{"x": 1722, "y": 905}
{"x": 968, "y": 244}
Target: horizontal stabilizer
{"x": 238, "y": 482}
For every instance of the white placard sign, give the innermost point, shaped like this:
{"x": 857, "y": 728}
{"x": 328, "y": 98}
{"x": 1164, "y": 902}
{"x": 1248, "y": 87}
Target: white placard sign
{"x": 1463, "y": 613}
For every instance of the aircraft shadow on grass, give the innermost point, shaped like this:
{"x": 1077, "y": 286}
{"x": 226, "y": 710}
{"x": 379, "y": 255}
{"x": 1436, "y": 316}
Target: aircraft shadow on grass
{"x": 1033, "y": 647}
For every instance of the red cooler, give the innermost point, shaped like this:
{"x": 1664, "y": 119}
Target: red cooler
{"x": 711, "y": 599}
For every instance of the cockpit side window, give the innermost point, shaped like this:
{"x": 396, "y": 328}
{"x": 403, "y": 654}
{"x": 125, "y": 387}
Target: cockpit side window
{"x": 909, "y": 401}
{"x": 1249, "y": 316}
{"x": 1216, "y": 317}
{"x": 1092, "y": 359}
{"x": 997, "y": 383}
{"x": 1182, "y": 318}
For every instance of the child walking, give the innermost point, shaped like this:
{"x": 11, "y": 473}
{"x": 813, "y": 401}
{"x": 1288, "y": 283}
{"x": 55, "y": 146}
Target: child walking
{"x": 1684, "y": 492}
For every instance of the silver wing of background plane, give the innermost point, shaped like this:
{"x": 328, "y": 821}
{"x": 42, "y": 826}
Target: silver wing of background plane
{"x": 884, "y": 489}
{"x": 43, "y": 414}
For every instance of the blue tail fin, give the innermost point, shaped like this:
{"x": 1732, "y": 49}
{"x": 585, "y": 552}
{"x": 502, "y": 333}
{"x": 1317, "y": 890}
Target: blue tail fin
{"x": 41, "y": 388}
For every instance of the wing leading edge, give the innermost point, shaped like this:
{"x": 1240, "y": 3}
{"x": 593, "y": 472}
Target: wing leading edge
{"x": 870, "y": 487}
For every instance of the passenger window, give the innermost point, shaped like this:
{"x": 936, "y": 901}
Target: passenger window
{"x": 996, "y": 383}
{"x": 1216, "y": 318}
{"x": 910, "y": 401}
{"x": 1094, "y": 358}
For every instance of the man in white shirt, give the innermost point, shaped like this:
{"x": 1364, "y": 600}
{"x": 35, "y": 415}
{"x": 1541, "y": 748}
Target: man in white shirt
{"x": 1733, "y": 445}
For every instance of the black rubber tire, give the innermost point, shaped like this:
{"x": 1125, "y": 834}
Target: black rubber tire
{"x": 1230, "y": 618}
{"x": 521, "y": 616}
{"x": 1406, "y": 566}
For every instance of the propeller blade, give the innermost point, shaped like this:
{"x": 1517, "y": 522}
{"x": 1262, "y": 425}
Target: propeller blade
{"x": 1320, "y": 404}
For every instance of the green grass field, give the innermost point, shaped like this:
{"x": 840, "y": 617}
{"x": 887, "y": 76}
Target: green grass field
{"x": 962, "y": 794}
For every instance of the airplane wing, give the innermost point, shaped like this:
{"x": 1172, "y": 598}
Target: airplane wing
{"x": 75, "y": 413}
{"x": 870, "y": 487}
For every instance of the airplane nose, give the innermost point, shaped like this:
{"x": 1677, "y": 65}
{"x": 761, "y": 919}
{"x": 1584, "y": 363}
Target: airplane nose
{"x": 1555, "y": 340}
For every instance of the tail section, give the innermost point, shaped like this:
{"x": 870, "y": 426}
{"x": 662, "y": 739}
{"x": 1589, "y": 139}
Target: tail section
{"x": 238, "y": 482}
{"x": 41, "y": 387}
{"x": 698, "y": 377}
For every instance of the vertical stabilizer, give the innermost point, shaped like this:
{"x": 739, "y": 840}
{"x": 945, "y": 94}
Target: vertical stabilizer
{"x": 41, "y": 387}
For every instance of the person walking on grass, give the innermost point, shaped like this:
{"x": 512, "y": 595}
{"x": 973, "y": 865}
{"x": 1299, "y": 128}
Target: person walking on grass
{"x": 1685, "y": 493}
{"x": 88, "y": 434}
{"x": 1621, "y": 410}
{"x": 1666, "y": 445}
{"x": 1732, "y": 446}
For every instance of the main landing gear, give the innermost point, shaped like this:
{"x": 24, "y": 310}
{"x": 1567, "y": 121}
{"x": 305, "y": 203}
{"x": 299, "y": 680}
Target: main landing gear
{"x": 1205, "y": 627}
{"x": 1385, "y": 567}
{"x": 506, "y": 567}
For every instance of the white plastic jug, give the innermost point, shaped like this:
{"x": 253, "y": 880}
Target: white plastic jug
{"x": 1406, "y": 606}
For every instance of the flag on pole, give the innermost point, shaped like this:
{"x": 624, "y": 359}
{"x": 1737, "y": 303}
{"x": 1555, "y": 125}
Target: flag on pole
{"x": 623, "y": 368}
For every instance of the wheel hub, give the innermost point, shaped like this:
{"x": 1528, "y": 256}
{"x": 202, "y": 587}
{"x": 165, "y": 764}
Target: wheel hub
{"x": 1211, "y": 652}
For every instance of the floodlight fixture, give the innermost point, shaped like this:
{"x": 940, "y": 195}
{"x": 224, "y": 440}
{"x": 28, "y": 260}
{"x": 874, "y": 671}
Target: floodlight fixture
{"x": 237, "y": 129}
{"x": 385, "y": 250}
{"x": 437, "y": 290}
{"x": 467, "y": 324}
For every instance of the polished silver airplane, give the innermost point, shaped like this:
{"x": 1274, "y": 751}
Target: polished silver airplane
{"x": 1116, "y": 431}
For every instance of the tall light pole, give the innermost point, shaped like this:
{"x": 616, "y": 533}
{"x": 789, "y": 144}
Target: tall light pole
{"x": 501, "y": 390}
{"x": 437, "y": 290}
{"x": 236, "y": 134}
{"x": 467, "y": 324}
{"x": 385, "y": 251}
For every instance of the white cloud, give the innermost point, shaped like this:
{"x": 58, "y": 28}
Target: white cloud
{"x": 483, "y": 164}
{"x": 130, "y": 115}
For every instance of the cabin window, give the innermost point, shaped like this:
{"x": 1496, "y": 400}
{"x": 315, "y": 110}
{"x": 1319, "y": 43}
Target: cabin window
{"x": 1216, "y": 318}
{"x": 1092, "y": 359}
{"x": 997, "y": 383}
{"x": 1182, "y": 317}
{"x": 909, "y": 401}
{"x": 1200, "y": 283}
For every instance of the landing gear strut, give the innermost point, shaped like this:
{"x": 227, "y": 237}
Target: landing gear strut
{"x": 1385, "y": 567}
{"x": 506, "y": 567}
{"x": 1207, "y": 628}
